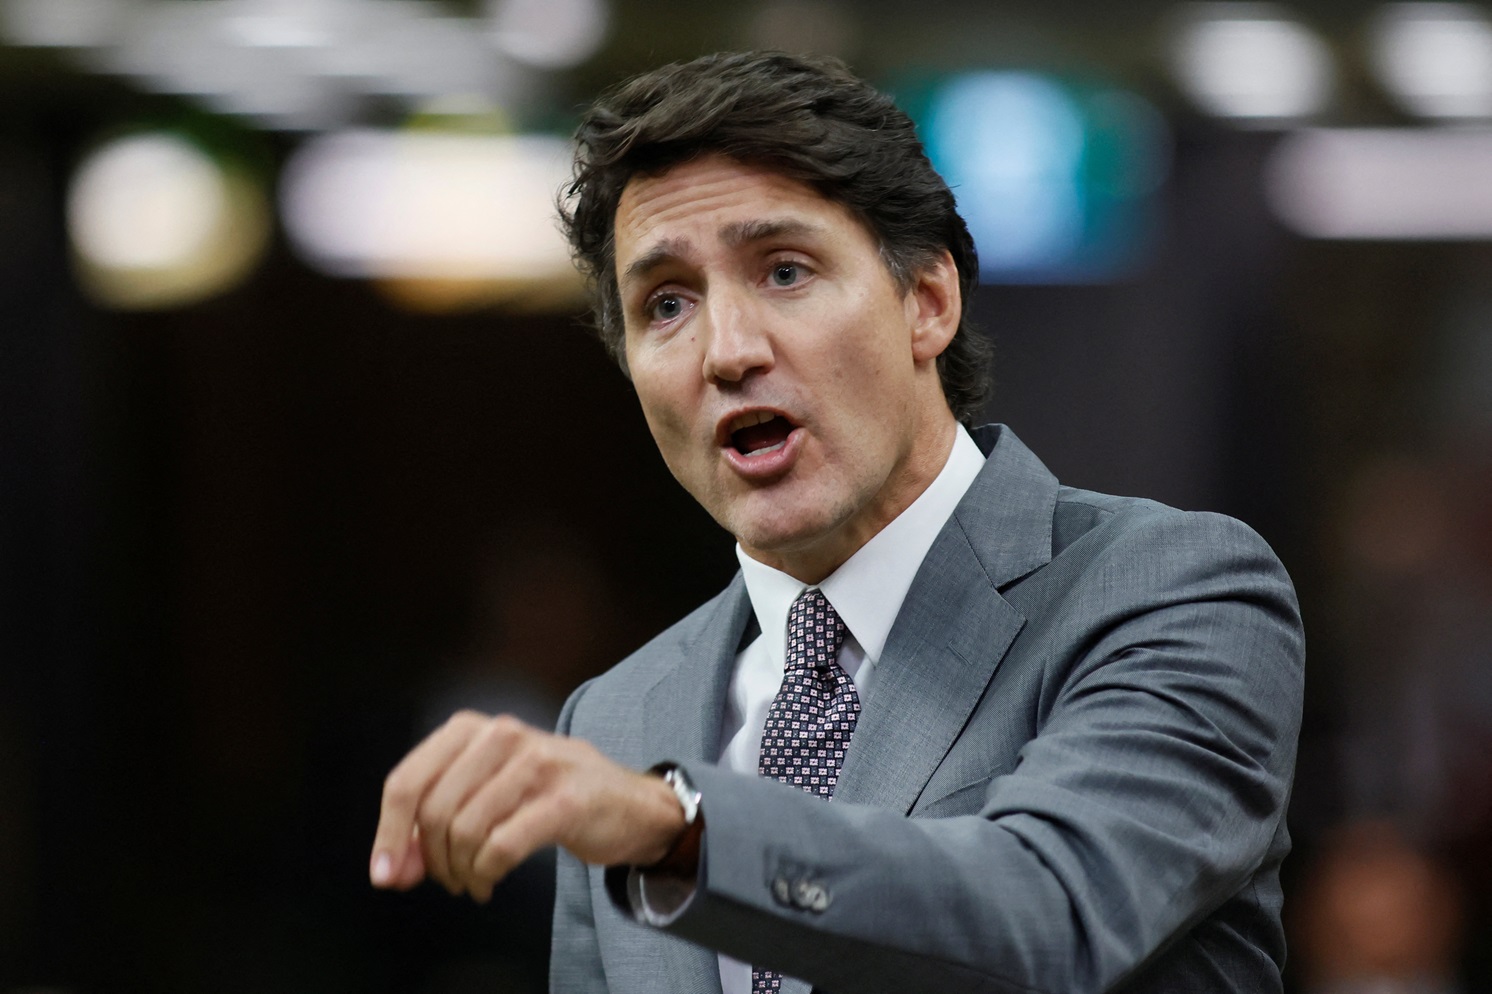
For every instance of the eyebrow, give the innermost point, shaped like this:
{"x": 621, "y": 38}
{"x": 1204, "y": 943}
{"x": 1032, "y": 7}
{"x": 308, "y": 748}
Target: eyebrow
{"x": 734, "y": 235}
{"x": 741, "y": 232}
{"x": 665, "y": 251}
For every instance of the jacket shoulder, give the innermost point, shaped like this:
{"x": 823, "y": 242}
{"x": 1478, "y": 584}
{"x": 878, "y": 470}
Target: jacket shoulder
{"x": 1090, "y": 518}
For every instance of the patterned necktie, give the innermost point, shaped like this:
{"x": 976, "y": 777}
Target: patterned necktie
{"x": 812, "y": 717}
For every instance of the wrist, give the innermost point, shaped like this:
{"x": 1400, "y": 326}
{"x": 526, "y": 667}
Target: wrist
{"x": 682, "y": 855}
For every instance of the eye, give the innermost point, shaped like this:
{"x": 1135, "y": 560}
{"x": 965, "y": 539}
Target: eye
{"x": 665, "y": 307}
{"x": 786, "y": 274}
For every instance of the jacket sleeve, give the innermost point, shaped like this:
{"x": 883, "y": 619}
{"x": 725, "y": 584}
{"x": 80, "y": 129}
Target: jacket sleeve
{"x": 1165, "y": 726}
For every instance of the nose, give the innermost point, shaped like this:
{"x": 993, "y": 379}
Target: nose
{"x": 738, "y": 342}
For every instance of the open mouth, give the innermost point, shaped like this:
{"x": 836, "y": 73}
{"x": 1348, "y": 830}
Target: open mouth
{"x": 757, "y": 433}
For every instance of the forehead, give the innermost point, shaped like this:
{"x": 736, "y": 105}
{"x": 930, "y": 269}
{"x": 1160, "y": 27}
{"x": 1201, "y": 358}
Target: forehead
{"x": 712, "y": 200}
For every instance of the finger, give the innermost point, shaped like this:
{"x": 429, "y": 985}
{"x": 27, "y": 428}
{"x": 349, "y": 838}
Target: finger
{"x": 530, "y": 828}
{"x": 412, "y": 869}
{"x": 402, "y": 871}
{"x": 486, "y": 751}
{"x": 524, "y": 775}
{"x": 404, "y": 789}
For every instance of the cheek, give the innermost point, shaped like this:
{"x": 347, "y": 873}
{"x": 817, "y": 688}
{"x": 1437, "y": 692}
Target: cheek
{"x": 862, "y": 366}
{"x": 665, "y": 410}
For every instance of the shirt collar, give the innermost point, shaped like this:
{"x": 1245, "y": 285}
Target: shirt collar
{"x": 868, "y": 589}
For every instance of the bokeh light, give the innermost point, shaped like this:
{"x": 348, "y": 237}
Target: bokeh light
{"x": 156, "y": 222}
{"x": 1250, "y": 62}
{"x": 1053, "y": 178}
{"x": 1011, "y": 144}
{"x": 65, "y": 23}
{"x": 316, "y": 64}
{"x": 1435, "y": 59}
{"x": 413, "y": 205}
{"x": 1384, "y": 183}
{"x": 548, "y": 34}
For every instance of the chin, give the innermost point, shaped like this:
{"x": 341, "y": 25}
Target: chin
{"x": 779, "y": 537}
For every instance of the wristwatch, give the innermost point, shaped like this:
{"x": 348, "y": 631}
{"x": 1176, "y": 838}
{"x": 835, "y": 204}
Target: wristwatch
{"x": 683, "y": 858}
{"x": 685, "y": 791}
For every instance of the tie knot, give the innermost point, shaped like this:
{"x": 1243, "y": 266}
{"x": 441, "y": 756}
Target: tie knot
{"x": 814, "y": 631}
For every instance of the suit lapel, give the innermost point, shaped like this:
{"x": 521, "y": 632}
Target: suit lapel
{"x": 685, "y": 708}
{"x": 953, "y": 629}
{"x": 929, "y": 678}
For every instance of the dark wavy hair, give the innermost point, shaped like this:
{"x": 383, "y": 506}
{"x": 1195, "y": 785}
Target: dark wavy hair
{"x": 809, "y": 119}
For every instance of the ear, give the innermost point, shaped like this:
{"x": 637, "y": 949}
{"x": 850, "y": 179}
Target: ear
{"x": 936, "y": 305}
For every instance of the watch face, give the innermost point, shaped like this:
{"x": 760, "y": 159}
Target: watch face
{"x": 684, "y": 791}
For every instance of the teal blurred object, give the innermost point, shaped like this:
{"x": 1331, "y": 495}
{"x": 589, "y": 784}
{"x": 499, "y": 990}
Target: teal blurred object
{"x": 1057, "y": 179}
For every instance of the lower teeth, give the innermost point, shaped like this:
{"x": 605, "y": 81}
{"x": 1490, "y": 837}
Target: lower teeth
{"x": 770, "y": 448}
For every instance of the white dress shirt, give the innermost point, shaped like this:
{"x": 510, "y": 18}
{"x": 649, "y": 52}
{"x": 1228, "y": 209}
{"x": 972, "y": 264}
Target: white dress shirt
{"x": 867, "y": 591}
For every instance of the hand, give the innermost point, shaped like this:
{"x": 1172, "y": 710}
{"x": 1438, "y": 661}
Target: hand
{"x": 481, "y": 794}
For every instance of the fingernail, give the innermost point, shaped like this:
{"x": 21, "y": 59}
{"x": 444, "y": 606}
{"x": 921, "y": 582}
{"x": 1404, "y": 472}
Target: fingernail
{"x": 382, "y": 871}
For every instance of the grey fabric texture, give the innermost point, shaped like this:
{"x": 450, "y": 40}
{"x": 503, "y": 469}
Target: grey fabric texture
{"x": 1069, "y": 774}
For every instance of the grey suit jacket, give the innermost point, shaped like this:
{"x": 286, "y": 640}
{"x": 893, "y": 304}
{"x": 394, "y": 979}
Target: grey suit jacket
{"x": 1069, "y": 775}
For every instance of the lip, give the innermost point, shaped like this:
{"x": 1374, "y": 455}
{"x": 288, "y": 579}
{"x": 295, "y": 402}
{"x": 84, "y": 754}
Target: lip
{"x": 722, "y": 427}
{"x": 766, "y": 465}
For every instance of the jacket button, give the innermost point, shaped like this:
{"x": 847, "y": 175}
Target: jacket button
{"x": 810, "y": 896}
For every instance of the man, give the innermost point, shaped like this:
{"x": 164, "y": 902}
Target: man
{"x": 1058, "y": 727}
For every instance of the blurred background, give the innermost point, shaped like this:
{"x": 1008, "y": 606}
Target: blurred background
{"x": 304, "y": 444}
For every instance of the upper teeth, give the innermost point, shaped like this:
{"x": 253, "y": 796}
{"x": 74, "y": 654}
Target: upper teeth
{"x": 751, "y": 418}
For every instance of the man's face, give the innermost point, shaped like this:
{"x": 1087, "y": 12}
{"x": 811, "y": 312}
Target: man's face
{"x": 790, "y": 384}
